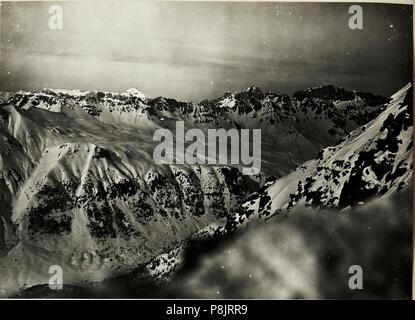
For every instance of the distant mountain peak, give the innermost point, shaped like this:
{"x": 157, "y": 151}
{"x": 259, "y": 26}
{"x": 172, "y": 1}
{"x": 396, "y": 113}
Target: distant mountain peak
{"x": 332, "y": 92}
{"x": 69, "y": 92}
{"x": 136, "y": 93}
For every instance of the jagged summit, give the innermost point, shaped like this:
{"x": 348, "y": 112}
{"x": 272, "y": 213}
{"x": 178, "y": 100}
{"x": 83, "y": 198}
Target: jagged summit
{"x": 255, "y": 91}
{"x": 136, "y": 93}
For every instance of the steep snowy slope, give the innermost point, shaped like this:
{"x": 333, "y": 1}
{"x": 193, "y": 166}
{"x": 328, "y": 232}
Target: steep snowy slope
{"x": 374, "y": 160}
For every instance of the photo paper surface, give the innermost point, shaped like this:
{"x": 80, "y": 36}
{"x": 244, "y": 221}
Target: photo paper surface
{"x": 206, "y": 150}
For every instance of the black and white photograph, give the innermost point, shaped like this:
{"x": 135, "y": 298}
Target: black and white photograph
{"x": 206, "y": 150}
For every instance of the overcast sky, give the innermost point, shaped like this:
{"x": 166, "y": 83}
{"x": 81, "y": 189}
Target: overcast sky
{"x": 198, "y": 50}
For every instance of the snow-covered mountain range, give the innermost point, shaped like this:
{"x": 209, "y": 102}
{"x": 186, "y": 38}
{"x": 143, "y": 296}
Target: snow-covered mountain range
{"x": 79, "y": 188}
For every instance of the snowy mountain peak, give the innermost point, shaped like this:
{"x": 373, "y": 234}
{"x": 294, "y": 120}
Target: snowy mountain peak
{"x": 254, "y": 92}
{"x": 68, "y": 92}
{"x": 134, "y": 92}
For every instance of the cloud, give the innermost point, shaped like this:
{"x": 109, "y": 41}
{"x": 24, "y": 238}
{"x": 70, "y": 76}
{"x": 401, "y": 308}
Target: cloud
{"x": 307, "y": 255}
